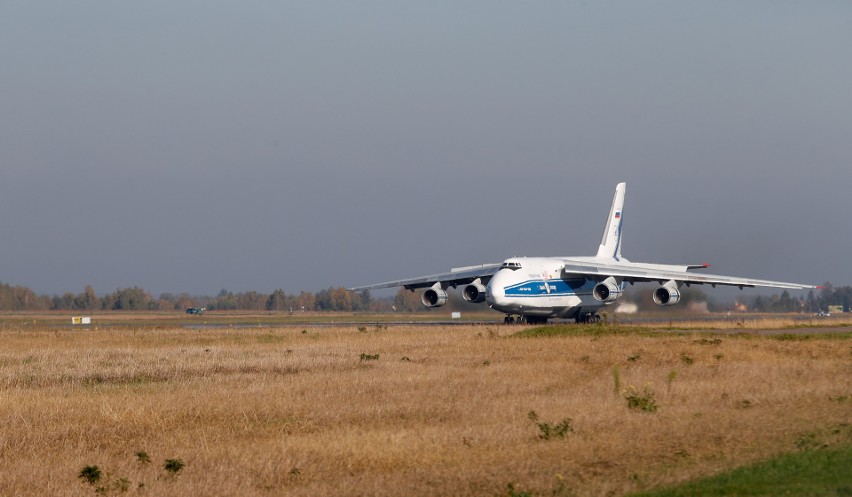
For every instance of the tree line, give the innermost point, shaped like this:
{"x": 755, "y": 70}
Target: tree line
{"x": 20, "y": 298}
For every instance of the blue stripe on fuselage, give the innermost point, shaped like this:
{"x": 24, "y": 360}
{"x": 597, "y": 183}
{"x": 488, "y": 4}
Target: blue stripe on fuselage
{"x": 536, "y": 288}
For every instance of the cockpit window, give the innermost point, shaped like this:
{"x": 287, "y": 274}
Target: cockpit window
{"x": 514, "y": 266}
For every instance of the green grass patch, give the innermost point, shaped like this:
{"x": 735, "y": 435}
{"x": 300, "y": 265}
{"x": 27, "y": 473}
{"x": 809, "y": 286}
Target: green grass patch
{"x": 808, "y": 473}
{"x": 554, "y": 330}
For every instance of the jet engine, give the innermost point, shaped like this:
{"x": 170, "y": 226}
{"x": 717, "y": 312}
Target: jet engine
{"x": 434, "y": 297}
{"x": 607, "y": 291}
{"x": 474, "y": 292}
{"x": 668, "y": 294}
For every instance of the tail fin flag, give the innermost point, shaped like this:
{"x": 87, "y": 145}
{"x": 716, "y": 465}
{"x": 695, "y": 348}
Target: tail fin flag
{"x": 610, "y": 247}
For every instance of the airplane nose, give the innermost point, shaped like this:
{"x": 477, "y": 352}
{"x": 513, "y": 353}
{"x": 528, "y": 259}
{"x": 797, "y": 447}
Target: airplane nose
{"x": 494, "y": 290}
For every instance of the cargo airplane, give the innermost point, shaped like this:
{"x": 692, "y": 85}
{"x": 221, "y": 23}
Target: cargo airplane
{"x": 533, "y": 289}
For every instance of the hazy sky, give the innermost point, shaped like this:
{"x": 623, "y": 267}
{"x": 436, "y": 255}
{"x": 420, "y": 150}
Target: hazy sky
{"x": 198, "y": 145}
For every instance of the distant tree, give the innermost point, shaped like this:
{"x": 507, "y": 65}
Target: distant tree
{"x": 811, "y": 305}
{"x": 305, "y": 301}
{"x": 831, "y": 295}
{"x": 165, "y": 302}
{"x": 785, "y": 303}
{"x": 21, "y": 298}
{"x": 5, "y": 297}
{"x": 277, "y": 301}
{"x": 88, "y": 300}
{"x": 826, "y": 295}
{"x": 340, "y": 299}
{"x": 408, "y": 301}
{"x": 127, "y": 299}
{"x": 381, "y": 304}
{"x": 224, "y": 301}
{"x": 253, "y": 301}
{"x": 161, "y": 305}
{"x": 63, "y": 303}
{"x": 322, "y": 301}
{"x": 184, "y": 301}
{"x": 759, "y": 305}
{"x": 361, "y": 300}
{"x": 109, "y": 301}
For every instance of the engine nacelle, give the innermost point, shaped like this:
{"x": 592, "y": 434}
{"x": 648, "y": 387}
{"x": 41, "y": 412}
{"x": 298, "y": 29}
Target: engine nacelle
{"x": 668, "y": 294}
{"x": 434, "y": 297}
{"x": 474, "y": 293}
{"x": 607, "y": 291}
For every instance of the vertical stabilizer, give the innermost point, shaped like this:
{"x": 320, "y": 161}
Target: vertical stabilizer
{"x": 610, "y": 247}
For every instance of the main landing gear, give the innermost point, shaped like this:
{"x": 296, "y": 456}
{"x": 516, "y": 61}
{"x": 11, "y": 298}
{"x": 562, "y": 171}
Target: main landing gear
{"x": 509, "y": 319}
{"x": 587, "y": 317}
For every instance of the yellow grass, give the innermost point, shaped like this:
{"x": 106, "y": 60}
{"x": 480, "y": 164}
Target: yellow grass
{"x": 443, "y": 411}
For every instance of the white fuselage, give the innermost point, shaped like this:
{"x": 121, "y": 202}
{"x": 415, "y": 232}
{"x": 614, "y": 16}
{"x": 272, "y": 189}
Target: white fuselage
{"x": 535, "y": 286}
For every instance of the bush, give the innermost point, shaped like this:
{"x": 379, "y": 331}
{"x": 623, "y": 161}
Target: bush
{"x": 547, "y": 430}
{"x": 643, "y": 401}
{"x": 173, "y": 466}
{"x": 90, "y": 474}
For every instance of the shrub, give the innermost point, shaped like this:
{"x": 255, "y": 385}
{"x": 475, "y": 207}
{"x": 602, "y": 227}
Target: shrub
{"x": 90, "y": 474}
{"x": 173, "y": 466}
{"x": 643, "y": 401}
{"x": 547, "y": 430}
{"x": 669, "y": 379}
{"x": 121, "y": 484}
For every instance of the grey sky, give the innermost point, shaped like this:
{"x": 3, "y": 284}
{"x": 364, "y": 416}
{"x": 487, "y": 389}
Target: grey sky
{"x": 200, "y": 145}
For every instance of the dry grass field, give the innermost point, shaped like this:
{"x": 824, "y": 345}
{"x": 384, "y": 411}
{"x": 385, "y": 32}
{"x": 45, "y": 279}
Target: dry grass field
{"x": 407, "y": 410}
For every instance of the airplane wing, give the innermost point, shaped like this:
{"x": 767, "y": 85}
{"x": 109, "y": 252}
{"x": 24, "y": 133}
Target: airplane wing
{"x": 638, "y": 272}
{"x": 456, "y": 276}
